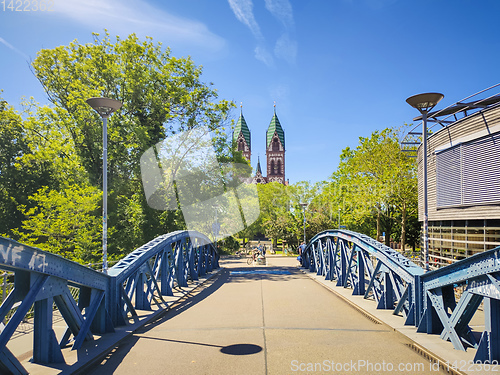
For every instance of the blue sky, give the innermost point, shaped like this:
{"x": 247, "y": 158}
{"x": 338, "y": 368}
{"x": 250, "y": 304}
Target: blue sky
{"x": 337, "y": 69}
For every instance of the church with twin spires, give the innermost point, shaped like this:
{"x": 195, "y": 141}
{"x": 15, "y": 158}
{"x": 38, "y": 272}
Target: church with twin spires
{"x": 275, "y": 150}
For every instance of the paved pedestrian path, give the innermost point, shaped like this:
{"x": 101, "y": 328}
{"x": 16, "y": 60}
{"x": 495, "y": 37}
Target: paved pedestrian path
{"x": 273, "y": 319}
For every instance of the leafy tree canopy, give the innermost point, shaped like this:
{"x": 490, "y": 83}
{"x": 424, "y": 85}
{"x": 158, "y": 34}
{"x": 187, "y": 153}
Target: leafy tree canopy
{"x": 161, "y": 95}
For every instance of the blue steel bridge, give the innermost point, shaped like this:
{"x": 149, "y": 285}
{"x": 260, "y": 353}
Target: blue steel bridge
{"x": 93, "y": 304}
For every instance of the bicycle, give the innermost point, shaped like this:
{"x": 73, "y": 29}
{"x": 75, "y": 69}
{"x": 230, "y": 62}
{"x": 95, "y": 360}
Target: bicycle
{"x": 253, "y": 255}
{"x": 250, "y": 257}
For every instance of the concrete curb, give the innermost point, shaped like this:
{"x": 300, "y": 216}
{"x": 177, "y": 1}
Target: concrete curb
{"x": 426, "y": 345}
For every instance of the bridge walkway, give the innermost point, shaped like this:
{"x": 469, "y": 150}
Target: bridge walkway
{"x": 263, "y": 320}
{"x": 79, "y": 361}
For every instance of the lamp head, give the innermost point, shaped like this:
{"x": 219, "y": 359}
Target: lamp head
{"x": 104, "y": 106}
{"x": 425, "y": 102}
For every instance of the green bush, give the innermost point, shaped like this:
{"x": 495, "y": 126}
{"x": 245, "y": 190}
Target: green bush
{"x": 229, "y": 245}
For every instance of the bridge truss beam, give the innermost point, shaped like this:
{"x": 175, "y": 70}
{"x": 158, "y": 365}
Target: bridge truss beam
{"x": 425, "y": 300}
{"x": 103, "y": 301}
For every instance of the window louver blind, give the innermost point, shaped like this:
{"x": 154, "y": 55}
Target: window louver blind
{"x": 469, "y": 174}
{"x": 448, "y": 174}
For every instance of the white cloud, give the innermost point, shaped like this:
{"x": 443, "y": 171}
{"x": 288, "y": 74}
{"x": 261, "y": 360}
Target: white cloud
{"x": 281, "y": 94}
{"x": 263, "y": 55}
{"x": 282, "y": 10}
{"x": 137, "y": 16}
{"x": 243, "y": 10}
{"x": 10, "y": 46}
{"x": 286, "y": 48}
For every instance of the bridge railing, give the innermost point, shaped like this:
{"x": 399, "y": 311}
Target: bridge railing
{"x": 42, "y": 279}
{"x": 373, "y": 270}
{"x": 442, "y": 314}
{"x": 150, "y": 272}
{"x": 426, "y": 300}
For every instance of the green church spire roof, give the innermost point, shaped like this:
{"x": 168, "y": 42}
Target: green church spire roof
{"x": 275, "y": 126}
{"x": 241, "y": 126}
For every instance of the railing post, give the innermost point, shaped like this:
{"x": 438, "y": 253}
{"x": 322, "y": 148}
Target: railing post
{"x": 192, "y": 256}
{"x": 321, "y": 261}
{"x": 201, "y": 254}
{"x": 359, "y": 288}
{"x": 165, "y": 272}
{"x": 330, "y": 274}
{"x": 387, "y": 299}
{"x": 313, "y": 259}
{"x": 343, "y": 263}
{"x": 418, "y": 299}
{"x": 45, "y": 346}
{"x": 489, "y": 345}
{"x": 179, "y": 263}
{"x": 210, "y": 258}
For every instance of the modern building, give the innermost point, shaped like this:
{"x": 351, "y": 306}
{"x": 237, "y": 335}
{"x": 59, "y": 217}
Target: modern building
{"x": 463, "y": 172}
{"x": 275, "y": 150}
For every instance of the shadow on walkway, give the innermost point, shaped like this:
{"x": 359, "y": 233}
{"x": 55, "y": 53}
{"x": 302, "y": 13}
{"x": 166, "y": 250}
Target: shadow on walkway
{"x": 113, "y": 359}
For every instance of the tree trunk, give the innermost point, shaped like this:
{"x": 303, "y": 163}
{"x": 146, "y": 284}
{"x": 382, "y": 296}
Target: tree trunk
{"x": 403, "y": 229}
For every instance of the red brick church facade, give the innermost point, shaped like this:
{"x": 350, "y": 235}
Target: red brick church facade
{"x": 275, "y": 150}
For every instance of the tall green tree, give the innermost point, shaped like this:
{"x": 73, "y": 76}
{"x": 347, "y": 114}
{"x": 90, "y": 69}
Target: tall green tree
{"x": 64, "y": 222}
{"x": 378, "y": 180}
{"x": 161, "y": 95}
{"x": 21, "y": 172}
{"x": 274, "y": 210}
{"x": 57, "y": 208}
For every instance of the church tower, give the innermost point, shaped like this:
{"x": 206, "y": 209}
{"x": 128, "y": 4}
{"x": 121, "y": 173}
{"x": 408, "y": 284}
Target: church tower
{"x": 275, "y": 150}
{"x": 259, "y": 178}
{"x": 241, "y": 136}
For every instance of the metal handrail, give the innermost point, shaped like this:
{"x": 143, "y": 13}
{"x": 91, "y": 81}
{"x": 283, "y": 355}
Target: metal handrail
{"x": 103, "y": 301}
{"x": 425, "y": 299}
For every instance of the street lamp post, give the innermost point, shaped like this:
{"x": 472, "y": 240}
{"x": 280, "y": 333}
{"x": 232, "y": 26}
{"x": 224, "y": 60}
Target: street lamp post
{"x": 339, "y": 217}
{"x": 304, "y": 205}
{"x": 424, "y": 103}
{"x": 105, "y": 107}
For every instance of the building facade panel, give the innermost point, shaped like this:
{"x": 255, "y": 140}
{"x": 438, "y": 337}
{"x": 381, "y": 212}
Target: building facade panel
{"x": 482, "y": 166}
{"x": 463, "y": 185}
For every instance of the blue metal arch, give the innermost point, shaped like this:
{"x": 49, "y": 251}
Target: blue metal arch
{"x": 105, "y": 301}
{"x": 426, "y": 300}
{"x": 150, "y": 272}
{"x": 370, "y": 268}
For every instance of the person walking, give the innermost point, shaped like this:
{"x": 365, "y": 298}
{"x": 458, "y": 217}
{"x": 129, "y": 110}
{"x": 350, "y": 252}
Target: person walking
{"x": 302, "y": 247}
{"x": 301, "y": 250}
